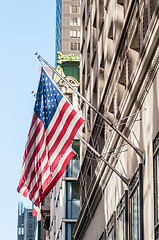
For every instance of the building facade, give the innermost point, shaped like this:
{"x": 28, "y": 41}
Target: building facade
{"x": 67, "y": 27}
{"x": 26, "y": 223}
{"x": 119, "y": 76}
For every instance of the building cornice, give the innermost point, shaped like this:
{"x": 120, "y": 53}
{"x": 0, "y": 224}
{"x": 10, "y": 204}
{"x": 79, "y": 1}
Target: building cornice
{"x": 67, "y": 58}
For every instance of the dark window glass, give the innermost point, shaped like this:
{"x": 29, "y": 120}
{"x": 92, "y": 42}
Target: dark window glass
{"x": 73, "y": 200}
{"x": 135, "y": 215}
{"x": 156, "y": 185}
{"x": 73, "y": 166}
{"x": 121, "y": 226}
{"x": 69, "y": 229}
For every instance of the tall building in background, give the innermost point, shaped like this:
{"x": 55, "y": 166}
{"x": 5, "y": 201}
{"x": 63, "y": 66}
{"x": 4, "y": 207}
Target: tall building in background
{"x": 26, "y": 223}
{"x": 119, "y": 76}
{"x": 67, "y": 27}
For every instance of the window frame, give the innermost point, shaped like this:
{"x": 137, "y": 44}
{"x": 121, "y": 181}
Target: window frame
{"x": 136, "y": 182}
{"x": 73, "y": 33}
{"x": 112, "y": 225}
{"x": 66, "y": 232}
{"x": 69, "y": 202}
{"x": 155, "y": 186}
{"x": 123, "y": 206}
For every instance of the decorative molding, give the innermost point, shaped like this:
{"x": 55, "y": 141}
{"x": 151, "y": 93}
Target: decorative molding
{"x": 67, "y": 58}
{"x": 156, "y": 143}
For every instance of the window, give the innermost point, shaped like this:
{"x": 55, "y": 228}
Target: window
{"x": 73, "y": 22}
{"x": 111, "y": 227}
{"x": 73, "y": 166}
{"x": 69, "y": 229}
{"x": 20, "y": 230}
{"x": 156, "y": 184}
{"x": 73, "y": 46}
{"x": 122, "y": 218}
{"x": 73, "y": 200}
{"x": 73, "y": 33}
{"x": 78, "y": 33}
{"x": 74, "y": 9}
{"x": 136, "y": 205}
{"x": 135, "y": 215}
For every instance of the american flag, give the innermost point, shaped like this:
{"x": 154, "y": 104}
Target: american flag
{"x": 48, "y": 152}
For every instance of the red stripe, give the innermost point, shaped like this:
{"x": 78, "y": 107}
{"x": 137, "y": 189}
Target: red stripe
{"x": 63, "y": 110}
{"x": 33, "y": 121}
{"x": 57, "y": 177}
{"x": 37, "y": 167}
{"x": 62, "y": 133}
{"x": 67, "y": 144}
{"x": 32, "y": 140}
{"x": 34, "y": 212}
{"x": 36, "y": 150}
{"x": 36, "y": 186}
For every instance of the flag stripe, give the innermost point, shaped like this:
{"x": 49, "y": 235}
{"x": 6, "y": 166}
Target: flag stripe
{"x": 35, "y": 149}
{"x": 32, "y": 140}
{"x": 54, "y": 163}
{"x": 60, "y": 172}
{"x": 57, "y": 122}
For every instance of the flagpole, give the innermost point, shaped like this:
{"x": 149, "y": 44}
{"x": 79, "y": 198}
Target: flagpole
{"x": 125, "y": 180}
{"x": 137, "y": 150}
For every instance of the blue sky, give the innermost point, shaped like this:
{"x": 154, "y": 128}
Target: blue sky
{"x": 26, "y": 27}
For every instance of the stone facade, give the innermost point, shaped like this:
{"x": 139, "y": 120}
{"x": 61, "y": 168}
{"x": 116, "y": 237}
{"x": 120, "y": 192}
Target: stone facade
{"x": 119, "y": 76}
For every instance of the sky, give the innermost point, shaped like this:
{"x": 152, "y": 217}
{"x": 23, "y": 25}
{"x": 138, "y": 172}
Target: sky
{"x": 26, "y": 27}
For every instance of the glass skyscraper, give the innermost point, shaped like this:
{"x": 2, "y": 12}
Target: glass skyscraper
{"x": 58, "y": 27}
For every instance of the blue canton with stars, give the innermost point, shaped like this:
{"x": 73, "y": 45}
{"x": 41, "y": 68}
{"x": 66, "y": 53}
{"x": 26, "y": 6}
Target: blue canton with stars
{"x": 47, "y": 99}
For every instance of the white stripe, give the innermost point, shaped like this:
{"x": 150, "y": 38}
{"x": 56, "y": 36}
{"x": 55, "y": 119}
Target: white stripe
{"x": 62, "y": 160}
{"x": 36, "y": 177}
{"x": 32, "y": 130}
{"x": 64, "y": 139}
{"x": 34, "y": 145}
{"x": 59, "y": 128}
{"x": 58, "y": 110}
{"x": 69, "y": 150}
{"x": 37, "y": 158}
{"x": 47, "y": 173}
